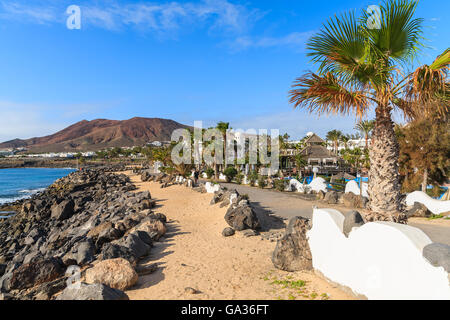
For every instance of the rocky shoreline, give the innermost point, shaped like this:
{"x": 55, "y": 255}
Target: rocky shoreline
{"x": 91, "y": 226}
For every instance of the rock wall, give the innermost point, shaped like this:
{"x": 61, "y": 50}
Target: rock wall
{"x": 82, "y": 219}
{"x": 380, "y": 260}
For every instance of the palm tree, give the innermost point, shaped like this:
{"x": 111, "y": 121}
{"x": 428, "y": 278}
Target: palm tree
{"x": 359, "y": 68}
{"x": 345, "y": 138}
{"x": 300, "y": 163}
{"x": 222, "y": 127}
{"x": 334, "y": 136}
{"x": 365, "y": 127}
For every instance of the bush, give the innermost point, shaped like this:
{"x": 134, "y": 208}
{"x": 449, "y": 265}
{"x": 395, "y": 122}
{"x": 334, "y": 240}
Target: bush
{"x": 230, "y": 173}
{"x": 253, "y": 177}
{"x": 209, "y": 173}
{"x": 239, "y": 178}
{"x": 262, "y": 182}
{"x": 279, "y": 185}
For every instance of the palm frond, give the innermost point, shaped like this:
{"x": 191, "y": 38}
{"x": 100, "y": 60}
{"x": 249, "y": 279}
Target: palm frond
{"x": 428, "y": 89}
{"x": 326, "y": 94}
{"x": 340, "y": 48}
{"x": 399, "y": 34}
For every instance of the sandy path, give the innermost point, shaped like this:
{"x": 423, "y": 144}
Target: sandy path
{"x": 195, "y": 254}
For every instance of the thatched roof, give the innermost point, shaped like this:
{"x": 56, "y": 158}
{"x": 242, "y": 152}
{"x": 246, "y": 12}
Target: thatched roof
{"x": 343, "y": 175}
{"x": 317, "y": 152}
{"x": 314, "y": 139}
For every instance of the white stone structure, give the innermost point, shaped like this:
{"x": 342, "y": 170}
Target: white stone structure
{"x": 318, "y": 184}
{"x": 352, "y": 186}
{"x": 434, "y": 205}
{"x": 211, "y": 188}
{"x": 380, "y": 260}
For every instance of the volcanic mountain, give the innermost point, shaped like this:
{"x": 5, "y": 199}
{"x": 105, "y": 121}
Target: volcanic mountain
{"x": 100, "y": 133}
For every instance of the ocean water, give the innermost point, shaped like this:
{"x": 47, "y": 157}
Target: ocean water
{"x": 22, "y": 183}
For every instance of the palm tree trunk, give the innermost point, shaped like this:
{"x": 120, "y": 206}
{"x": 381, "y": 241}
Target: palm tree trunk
{"x": 216, "y": 171}
{"x": 367, "y": 141}
{"x": 384, "y": 185}
{"x": 425, "y": 180}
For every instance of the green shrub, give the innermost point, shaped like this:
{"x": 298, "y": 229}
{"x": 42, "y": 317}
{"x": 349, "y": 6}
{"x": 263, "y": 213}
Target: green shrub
{"x": 209, "y": 173}
{"x": 279, "y": 185}
{"x": 230, "y": 173}
{"x": 253, "y": 177}
{"x": 239, "y": 178}
{"x": 262, "y": 182}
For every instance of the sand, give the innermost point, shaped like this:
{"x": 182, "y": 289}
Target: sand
{"x": 194, "y": 254}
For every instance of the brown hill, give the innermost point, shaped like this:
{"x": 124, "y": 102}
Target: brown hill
{"x": 100, "y": 133}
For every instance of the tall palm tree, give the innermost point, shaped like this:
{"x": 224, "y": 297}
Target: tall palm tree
{"x": 334, "y": 136}
{"x": 365, "y": 127}
{"x": 222, "y": 127}
{"x": 345, "y": 138}
{"x": 359, "y": 68}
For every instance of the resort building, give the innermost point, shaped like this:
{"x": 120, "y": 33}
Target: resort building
{"x": 316, "y": 155}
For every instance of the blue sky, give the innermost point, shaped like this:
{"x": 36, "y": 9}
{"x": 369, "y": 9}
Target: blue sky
{"x": 211, "y": 60}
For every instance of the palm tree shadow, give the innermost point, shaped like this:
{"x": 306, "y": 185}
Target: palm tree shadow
{"x": 158, "y": 203}
{"x": 267, "y": 218}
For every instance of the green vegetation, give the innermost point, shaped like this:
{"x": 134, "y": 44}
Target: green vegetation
{"x": 262, "y": 182}
{"x": 239, "y": 178}
{"x": 279, "y": 184}
{"x": 230, "y": 173}
{"x": 209, "y": 173}
{"x": 253, "y": 177}
{"x": 436, "y": 216}
{"x": 290, "y": 284}
{"x": 358, "y": 67}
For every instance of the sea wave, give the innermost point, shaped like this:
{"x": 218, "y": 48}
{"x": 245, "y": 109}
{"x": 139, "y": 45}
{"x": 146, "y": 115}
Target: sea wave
{"x": 22, "y": 194}
{"x": 12, "y": 199}
{"x": 32, "y": 191}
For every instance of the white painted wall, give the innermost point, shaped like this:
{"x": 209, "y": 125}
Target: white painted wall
{"x": 434, "y": 205}
{"x": 211, "y": 188}
{"x": 381, "y": 260}
{"x": 352, "y": 186}
{"x": 318, "y": 184}
{"x": 294, "y": 184}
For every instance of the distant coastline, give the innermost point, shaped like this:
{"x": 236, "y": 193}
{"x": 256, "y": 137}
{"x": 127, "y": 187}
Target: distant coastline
{"x": 56, "y": 163}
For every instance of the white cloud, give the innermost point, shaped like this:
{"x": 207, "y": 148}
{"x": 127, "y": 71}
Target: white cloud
{"x": 149, "y": 16}
{"x": 31, "y": 14}
{"x": 295, "y": 40}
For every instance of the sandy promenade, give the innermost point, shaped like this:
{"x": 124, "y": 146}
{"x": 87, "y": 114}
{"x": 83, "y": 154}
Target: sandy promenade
{"x": 194, "y": 254}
